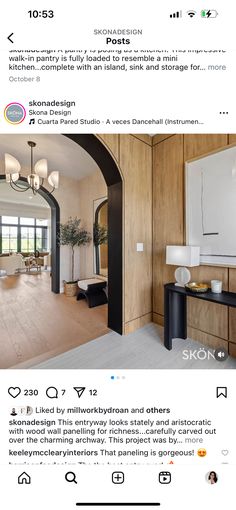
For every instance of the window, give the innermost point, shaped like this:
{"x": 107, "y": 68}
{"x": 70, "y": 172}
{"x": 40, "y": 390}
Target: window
{"x": 42, "y": 223}
{"x": 9, "y": 239}
{"x": 10, "y": 220}
{"x": 19, "y": 234}
{"x": 27, "y": 221}
{"x": 27, "y": 239}
{"x": 41, "y": 239}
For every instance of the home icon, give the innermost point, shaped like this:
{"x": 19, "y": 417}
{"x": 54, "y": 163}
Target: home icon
{"x": 24, "y": 478}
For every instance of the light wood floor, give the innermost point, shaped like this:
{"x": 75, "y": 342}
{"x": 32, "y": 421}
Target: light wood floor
{"x": 36, "y": 324}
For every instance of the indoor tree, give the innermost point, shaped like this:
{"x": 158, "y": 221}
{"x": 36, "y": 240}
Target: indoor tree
{"x": 72, "y": 235}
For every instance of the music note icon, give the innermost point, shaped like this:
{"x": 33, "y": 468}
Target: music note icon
{"x": 32, "y": 121}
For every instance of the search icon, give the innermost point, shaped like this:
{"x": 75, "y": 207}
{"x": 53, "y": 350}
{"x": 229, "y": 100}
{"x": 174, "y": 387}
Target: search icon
{"x": 70, "y": 477}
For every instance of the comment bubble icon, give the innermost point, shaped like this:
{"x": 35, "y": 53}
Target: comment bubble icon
{"x": 52, "y": 392}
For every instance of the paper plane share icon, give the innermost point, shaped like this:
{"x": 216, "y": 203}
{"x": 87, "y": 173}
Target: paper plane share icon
{"x": 79, "y": 390}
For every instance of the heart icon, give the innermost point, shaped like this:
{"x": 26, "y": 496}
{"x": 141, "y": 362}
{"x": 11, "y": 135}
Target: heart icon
{"x": 14, "y": 392}
{"x": 225, "y": 452}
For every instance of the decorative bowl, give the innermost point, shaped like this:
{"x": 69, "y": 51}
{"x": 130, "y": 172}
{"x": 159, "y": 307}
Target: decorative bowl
{"x": 197, "y": 287}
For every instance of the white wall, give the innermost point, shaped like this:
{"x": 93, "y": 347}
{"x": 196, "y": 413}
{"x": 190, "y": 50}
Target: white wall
{"x": 67, "y": 197}
{"x": 26, "y": 211}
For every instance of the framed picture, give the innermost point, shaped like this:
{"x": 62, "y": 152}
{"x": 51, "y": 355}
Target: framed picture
{"x": 210, "y": 191}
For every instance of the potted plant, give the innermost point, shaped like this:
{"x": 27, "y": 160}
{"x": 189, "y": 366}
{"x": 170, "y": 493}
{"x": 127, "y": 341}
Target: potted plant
{"x": 100, "y": 236}
{"x": 72, "y": 235}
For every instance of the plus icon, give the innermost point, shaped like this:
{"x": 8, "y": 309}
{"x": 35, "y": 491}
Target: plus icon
{"x": 118, "y": 477}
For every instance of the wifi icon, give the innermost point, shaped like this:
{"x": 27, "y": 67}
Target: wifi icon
{"x": 191, "y": 13}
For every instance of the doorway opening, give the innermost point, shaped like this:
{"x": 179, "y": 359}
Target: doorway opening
{"x": 111, "y": 174}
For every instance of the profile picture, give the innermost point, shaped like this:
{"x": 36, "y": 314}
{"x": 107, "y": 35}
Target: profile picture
{"x": 14, "y": 113}
{"x": 25, "y": 411}
{"x": 212, "y": 477}
{"x": 18, "y": 411}
{"x": 29, "y": 410}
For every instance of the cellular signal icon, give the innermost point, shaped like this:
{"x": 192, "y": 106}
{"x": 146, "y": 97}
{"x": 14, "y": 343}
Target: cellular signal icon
{"x": 191, "y": 14}
{"x": 177, "y": 14}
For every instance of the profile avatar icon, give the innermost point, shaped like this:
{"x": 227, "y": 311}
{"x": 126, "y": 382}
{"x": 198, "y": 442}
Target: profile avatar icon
{"x": 212, "y": 477}
{"x": 14, "y": 113}
{"x": 25, "y": 411}
{"x": 13, "y": 412}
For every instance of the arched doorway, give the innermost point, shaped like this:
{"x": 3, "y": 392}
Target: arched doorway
{"x": 112, "y": 176}
{"x": 55, "y": 222}
{"x": 113, "y": 179}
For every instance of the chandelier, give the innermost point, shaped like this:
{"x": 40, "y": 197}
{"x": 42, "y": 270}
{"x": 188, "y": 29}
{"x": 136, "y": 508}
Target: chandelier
{"x": 38, "y": 173}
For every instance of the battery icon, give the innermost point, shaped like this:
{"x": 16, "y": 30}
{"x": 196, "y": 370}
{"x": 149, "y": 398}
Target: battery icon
{"x": 209, "y": 13}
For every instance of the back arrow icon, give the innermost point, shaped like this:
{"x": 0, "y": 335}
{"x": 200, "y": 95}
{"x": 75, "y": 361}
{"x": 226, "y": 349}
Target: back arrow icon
{"x": 9, "y": 37}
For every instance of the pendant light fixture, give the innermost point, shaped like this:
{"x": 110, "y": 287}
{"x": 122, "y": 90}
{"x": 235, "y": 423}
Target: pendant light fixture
{"x": 38, "y": 173}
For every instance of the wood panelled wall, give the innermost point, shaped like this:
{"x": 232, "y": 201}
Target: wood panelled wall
{"x": 134, "y": 156}
{"x": 154, "y": 194}
{"x": 211, "y": 324}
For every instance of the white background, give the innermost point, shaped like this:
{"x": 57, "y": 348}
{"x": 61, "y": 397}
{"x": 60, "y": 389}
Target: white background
{"x": 126, "y": 95}
{"x": 189, "y": 392}
{"x": 145, "y": 96}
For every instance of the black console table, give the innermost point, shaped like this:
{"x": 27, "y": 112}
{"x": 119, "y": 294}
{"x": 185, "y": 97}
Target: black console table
{"x": 175, "y": 309}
